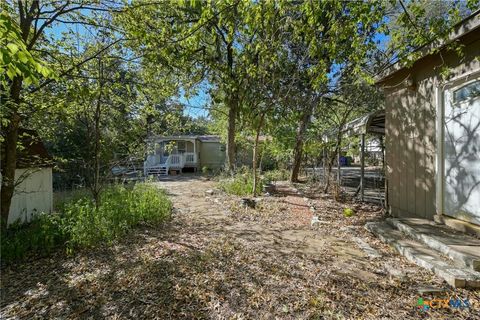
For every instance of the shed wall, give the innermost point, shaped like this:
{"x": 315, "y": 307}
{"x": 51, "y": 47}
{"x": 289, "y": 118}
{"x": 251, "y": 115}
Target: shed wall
{"x": 33, "y": 195}
{"x": 410, "y": 129}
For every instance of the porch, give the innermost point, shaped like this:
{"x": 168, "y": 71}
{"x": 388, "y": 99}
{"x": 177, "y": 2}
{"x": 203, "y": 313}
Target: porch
{"x": 169, "y": 153}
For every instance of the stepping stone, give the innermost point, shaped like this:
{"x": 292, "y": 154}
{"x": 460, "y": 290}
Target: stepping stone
{"x": 431, "y": 290}
{"x": 455, "y": 275}
{"x": 456, "y": 245}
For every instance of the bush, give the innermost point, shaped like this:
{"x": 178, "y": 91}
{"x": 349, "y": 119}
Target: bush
{"x": 277, "y": 175}
{"x": 241, "y": 184}
{"x": 82, "y": 225}
{"x": 43, "y": 234}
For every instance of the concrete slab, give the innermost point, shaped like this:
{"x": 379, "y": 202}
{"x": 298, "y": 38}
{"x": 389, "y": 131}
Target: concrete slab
{"x": 458, "y": 246}
{"x": 462, "y": 226}
{"x": 425, "y": 257}
{"x": 431, "y": 291}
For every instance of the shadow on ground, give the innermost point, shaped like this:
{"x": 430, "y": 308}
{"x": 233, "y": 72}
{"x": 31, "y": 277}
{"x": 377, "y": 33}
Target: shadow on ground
{"x": 207, "y": 264}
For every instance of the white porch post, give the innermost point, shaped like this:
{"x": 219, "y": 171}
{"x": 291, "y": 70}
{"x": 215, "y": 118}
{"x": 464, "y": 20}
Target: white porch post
{"x": 195, "y": 153}
{"x": 440, "y": 164}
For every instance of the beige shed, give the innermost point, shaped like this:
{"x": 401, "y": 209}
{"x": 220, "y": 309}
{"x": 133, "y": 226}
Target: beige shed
{"x": 432, "y": 131}
{"x": 33, "y": 178}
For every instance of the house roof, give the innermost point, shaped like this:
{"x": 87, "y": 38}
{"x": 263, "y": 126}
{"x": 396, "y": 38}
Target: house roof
{"x": 209, "y": 138}
{"x": 464, "y": 27}
{"x": 31, "y": 152}
{"x": 202, "y": 138}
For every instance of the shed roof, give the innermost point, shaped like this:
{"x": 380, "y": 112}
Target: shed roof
{"x": 464, "y": 27}
{"x": 373, "y": 122}
{"x": 31, "y": 152}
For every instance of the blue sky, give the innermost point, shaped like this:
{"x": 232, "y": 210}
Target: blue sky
{"x": 196, "y": 105}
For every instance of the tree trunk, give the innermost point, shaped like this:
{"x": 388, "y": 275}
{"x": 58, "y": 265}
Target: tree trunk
{"x": 255, "y": 155}
{"x": 9, "y": 165}
{"x": 337, "y": 151}
{"x": 329, "y": 171}
{"x": 232, "y": 104}
{"x": 232, "y": 117}
{"x": 98, "y": 113}
{"x": 96, "y": 174}
{"x": 298, "y": 150}
{"x": 331, "y": 160}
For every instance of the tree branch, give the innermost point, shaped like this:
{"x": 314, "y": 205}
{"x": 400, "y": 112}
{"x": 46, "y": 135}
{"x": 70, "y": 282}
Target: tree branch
{"x": 47, "y": 82}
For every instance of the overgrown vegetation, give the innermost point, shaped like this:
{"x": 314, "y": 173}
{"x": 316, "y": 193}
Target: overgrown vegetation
{"x": 277, "y": 175}
{"x": 273, "y": 75}
{"x": 241, "y": 183}
{"x": 79, "y": 224}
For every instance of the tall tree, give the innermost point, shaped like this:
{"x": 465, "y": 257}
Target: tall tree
{"x": 33, "y": 19}
{"x": 203, "y": 40}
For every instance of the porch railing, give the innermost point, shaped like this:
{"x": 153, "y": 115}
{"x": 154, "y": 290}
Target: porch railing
{"x": 179, "y": 160}
{"x": 172, "y": 161}
{"x": 175, "y": 160}
{"x": 190, "y": 158}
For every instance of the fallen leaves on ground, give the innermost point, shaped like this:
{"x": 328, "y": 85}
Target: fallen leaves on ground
{"x": 218, "y": 260}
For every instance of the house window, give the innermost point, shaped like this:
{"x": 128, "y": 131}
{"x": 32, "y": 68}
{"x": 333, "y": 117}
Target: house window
{"x": 181, "y": 146}
{"x": 158, "y": 148}
{"x": 467, "y": 92}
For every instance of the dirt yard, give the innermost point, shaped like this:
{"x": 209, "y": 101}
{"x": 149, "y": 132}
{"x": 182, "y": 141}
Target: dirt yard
{"x": 218, "y": 260}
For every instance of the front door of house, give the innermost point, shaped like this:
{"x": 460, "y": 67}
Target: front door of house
{"x": 462, "y": 151}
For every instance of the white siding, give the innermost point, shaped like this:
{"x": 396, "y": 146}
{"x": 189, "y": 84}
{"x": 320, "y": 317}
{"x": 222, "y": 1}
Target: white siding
{"x": 33, "y": 195}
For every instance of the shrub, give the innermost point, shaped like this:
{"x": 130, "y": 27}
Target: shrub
{"x": 120, "y": 210}
{"x": 277, "y": 175}
{"x": 62, "y": 198}
{"x": 43, "y": 234}
{"x": 241, "y": 184}
{"x": 82, "y": 225}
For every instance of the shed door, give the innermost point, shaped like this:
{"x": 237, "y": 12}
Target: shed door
{"x": 462, "y": 152}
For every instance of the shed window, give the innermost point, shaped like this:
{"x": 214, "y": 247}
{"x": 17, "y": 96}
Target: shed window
{"x": 467, "y": 92}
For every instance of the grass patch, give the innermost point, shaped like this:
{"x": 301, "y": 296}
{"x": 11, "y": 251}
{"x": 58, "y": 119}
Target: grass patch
{"x": 80, "y": 224}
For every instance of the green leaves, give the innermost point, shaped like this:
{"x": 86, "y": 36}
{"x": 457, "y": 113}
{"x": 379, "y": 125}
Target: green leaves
{"x": 13, "y": 48}
{"x": 420, "y": 22}
{"x": 15, "y": 59}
